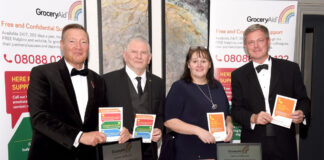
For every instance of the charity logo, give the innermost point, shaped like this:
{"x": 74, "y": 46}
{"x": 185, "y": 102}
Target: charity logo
{"x": 75, "y": 10}
{"x": 287, "y": 14}
{"x": 46, "y": 13}
{"x": 245, "y": 149}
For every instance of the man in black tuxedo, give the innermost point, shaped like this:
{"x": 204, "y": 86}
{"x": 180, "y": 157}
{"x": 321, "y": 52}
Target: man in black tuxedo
{"x": 137, "y": 91}
{"x": 254, "y": 88}
{"x": 63, "y": 99}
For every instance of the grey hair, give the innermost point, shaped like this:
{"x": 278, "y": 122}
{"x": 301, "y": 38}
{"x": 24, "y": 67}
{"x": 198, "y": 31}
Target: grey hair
{"x": 73, "y": 26}
{"x": 255, "y": 27}
{"x": 140, "y": 39}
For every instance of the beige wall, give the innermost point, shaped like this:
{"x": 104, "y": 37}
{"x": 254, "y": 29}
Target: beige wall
{"x": 92, "y": 27}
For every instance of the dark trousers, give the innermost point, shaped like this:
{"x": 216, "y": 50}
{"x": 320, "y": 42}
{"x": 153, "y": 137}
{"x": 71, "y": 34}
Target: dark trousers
{"x": 272, "y": 149}
{"x": 149, "y": 151}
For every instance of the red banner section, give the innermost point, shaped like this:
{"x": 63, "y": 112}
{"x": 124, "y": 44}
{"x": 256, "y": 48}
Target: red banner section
{"x": 16, "y": 83}
{"x": 223, "y": 75}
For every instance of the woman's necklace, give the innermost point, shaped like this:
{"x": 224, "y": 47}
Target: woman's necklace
{"x": 214, "y": 106}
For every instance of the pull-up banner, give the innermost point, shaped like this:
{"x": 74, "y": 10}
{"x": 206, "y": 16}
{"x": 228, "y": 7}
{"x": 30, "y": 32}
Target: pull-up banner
{"x": 229, "y": 19}
{"x": 30, "y": 35}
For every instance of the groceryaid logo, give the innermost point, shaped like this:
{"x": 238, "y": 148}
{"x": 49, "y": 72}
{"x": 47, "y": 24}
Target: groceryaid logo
{"x": 261, "y": 19}
{"x": 42, "y": 12}
{"x": 287, "y": 14}
{"x": 75, "y": 10}
{"x": 244, "y": 150}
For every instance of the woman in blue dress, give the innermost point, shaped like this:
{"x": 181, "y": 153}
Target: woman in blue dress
{"x": 187, "y": 104}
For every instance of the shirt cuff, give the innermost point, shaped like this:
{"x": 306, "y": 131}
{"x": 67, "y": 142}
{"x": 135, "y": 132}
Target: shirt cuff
{"x": 252, "y": 126}
{"x": 76, "y": 141}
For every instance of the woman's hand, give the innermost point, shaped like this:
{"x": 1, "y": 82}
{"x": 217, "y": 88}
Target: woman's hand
{"x": 182, "y": 127}
{"x": 205, "y": 136}
{"x": 229, "y": 129}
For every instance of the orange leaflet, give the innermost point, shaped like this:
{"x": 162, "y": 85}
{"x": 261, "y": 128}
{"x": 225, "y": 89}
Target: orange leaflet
{"x": 216, "y": 122}
{"x": 284, "y": 107}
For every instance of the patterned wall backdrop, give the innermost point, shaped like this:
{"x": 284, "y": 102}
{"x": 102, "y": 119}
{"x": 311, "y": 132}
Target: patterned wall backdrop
{"x": 186, "y": 24}
{"x": 121, "y": 19}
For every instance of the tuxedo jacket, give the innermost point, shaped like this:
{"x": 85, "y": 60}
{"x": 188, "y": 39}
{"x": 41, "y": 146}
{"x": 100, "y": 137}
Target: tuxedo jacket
{"x": 54, "y": 112}
{"x": 118, "y": 95}
{"x": 286, "y": 80}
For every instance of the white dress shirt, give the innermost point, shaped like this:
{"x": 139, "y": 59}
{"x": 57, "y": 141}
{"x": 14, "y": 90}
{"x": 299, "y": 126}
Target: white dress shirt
{"x": 80, "y": 86}
{"x": 264, "y": 77}
{"x": 132, "y": 75}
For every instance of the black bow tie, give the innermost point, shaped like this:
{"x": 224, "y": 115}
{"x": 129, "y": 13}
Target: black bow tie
{"x": 260, "y": 67}
{"x": 82, "y": 72}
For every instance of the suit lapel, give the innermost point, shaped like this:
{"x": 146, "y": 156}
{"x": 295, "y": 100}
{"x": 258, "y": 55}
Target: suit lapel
{"x": 148, "y": 87}
{"x": 124, "y": 86}
{"x": 91, "y": 87}
{"x": 273, "y": 80}
{"x": 66, "y": 78}
{"x": 253, "y": 79}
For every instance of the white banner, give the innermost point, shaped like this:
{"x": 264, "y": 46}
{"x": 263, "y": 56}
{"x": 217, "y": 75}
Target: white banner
{"x": 30, "y": 36}
{"x": 229, "y": 19}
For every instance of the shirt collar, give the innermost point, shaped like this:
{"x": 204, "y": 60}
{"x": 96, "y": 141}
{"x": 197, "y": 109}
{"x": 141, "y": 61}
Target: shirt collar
{"x": 268, "y": 62}
{"x": 70, "y": 67}
{"x": 132, "y": 75}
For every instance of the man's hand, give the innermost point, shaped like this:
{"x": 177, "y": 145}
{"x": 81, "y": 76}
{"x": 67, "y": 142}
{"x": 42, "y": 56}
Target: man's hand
{"x": 261, "y": 118}
{"x": 124, "y": 135}
{"x": 92, "y": 138}
{"x": 157, "y": 134}
{"x": 297, "y": 116}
